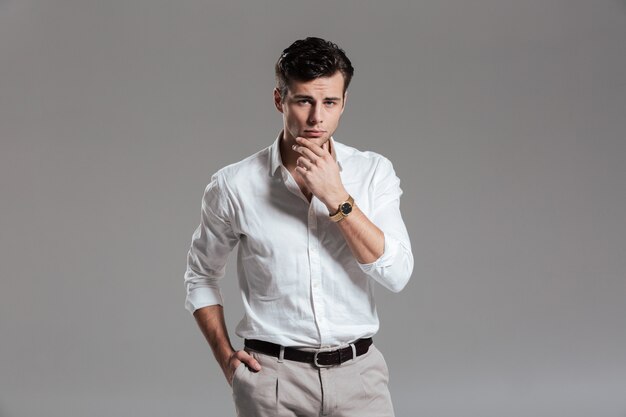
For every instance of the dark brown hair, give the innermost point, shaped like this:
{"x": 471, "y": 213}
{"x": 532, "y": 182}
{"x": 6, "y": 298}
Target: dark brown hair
{"x": 310, "y": 58}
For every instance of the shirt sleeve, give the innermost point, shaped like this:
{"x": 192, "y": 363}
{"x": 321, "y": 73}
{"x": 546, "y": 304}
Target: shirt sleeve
{"x": 395, "y": 266}
{"x": 211, "y": 243}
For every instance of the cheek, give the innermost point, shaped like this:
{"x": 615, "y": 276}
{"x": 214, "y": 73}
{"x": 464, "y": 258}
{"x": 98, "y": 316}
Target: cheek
{"x": 295, "y": 117}
{"x": 335, "y": 118}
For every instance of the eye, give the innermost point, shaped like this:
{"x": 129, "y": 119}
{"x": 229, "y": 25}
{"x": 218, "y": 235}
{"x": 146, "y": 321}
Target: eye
{"x": 304, "y": 101}
{"x": 330, "y": 103}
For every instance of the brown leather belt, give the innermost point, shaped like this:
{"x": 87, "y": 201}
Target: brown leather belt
{"x": 320, "y": 358}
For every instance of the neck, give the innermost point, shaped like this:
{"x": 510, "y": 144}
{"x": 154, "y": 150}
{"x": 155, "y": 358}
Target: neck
{"x": 287, "y": 154}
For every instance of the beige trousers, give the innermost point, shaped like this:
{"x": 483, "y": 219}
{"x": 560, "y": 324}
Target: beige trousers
{"x": 356, "y": 388}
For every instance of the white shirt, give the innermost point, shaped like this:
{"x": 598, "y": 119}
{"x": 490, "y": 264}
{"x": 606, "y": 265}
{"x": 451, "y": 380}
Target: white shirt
{"x": 300, "y": 283}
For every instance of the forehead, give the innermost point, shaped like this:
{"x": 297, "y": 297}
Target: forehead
{"x": 332, "y": 85}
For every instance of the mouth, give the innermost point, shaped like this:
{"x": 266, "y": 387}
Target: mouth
{"x": 315, "y": 133}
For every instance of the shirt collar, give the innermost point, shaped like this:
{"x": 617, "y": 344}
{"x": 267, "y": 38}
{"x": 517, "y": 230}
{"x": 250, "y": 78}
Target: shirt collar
{"x": 276, "y": 161}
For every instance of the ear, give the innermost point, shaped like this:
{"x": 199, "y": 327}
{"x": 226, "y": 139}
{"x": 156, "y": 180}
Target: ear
{"x": 278, "y": 102}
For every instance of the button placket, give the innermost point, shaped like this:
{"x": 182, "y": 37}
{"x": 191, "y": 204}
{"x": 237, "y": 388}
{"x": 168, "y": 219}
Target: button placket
{"x": 291, "y": 184}
{"x": 315, "y": 271}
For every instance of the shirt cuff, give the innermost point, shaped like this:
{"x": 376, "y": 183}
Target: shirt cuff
{"x": 202, "y": 297}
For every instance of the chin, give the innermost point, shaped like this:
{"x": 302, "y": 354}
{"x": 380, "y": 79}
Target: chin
{"x": 319, "y": 141}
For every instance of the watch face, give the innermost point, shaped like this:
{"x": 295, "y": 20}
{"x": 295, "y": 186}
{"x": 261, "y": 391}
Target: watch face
{"x": 346, "y": 208}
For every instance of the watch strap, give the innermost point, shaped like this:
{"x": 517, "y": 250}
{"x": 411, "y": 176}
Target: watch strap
{"x": 339, "y": 215}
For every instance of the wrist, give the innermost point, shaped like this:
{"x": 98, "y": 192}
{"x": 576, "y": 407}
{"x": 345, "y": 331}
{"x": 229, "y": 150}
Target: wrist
{"x": 224, "y": 357}
{"x": 333, "y": 203}
{"x": 345, "y": 209}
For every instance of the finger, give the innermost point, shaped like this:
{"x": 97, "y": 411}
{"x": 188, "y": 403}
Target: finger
{"x": 301, "y": 171}
{"x": 306, "y": 152}
{"x": 304, "y": 163}
{"x": 314, "y": 147}
{"x": 233, "y": 362}
{"x": 249, "y": 360}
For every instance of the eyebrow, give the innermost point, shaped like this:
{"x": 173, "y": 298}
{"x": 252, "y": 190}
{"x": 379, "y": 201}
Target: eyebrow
{"x": 300, "y": 96}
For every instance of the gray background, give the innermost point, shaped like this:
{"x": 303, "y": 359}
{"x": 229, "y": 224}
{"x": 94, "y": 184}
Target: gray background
{"x": 505, "y": 121}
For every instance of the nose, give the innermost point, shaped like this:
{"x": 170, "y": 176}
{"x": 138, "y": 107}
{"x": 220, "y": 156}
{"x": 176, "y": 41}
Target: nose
{"x": 315, "y": 117}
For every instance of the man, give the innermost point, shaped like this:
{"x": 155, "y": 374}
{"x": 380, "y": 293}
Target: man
{"x": 318, "y": 224}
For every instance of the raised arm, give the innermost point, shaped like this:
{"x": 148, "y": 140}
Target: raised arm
{"x": 381, "y": 243}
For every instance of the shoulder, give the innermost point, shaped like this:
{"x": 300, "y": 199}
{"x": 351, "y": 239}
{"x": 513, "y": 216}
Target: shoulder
{"x": 245, "y": 171}
{"x": 365, "y": 160}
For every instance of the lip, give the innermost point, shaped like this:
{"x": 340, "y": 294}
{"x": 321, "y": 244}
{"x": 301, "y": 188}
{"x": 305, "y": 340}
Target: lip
{"x": 315, "y": 133}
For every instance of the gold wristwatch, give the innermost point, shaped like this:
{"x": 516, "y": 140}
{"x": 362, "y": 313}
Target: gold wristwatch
{"x": 344, "y": 209}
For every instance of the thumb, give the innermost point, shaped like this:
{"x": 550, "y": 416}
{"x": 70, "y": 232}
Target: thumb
{"x": 251, "y": 362}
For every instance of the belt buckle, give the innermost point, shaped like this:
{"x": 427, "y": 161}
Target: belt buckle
{"x": 316, "y": 363}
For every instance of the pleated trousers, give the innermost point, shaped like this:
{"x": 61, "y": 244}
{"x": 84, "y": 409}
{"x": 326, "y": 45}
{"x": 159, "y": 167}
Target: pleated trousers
{"x": 356, "y": 388}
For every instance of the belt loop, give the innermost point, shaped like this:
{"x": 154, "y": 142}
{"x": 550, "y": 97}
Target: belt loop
{"x": 353, "y": 350}
{"x": 281, "y": 355}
